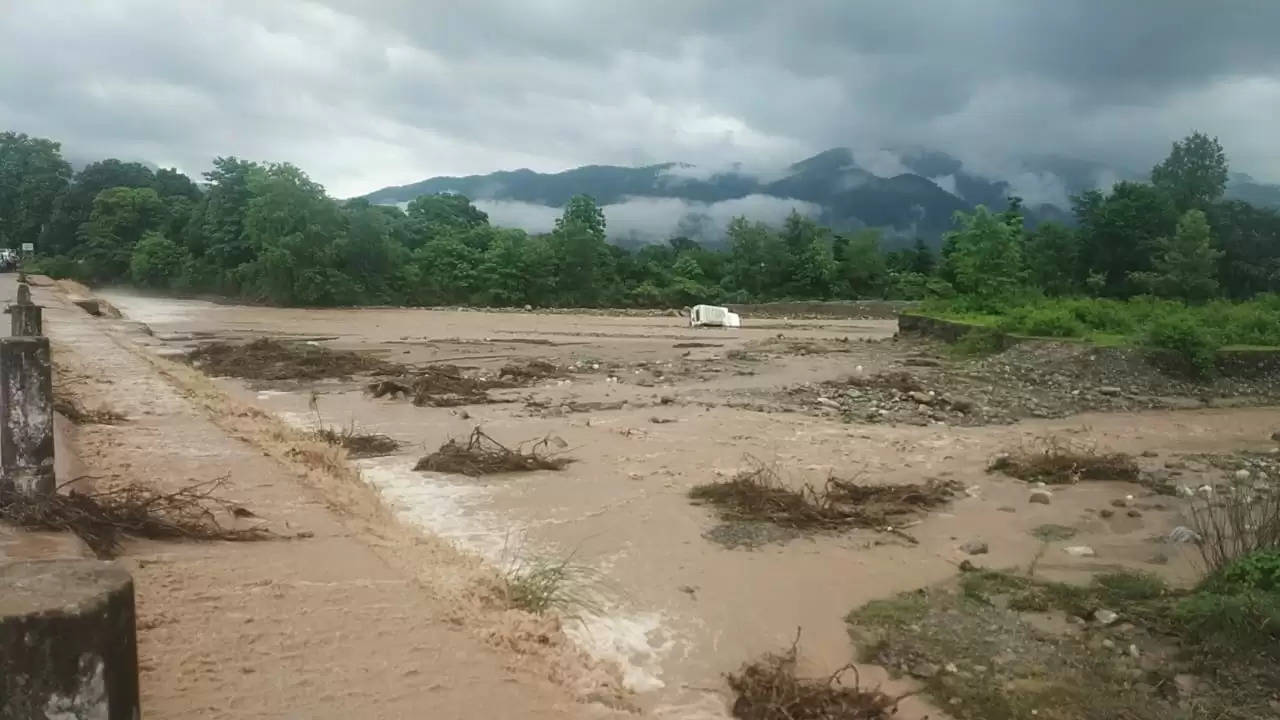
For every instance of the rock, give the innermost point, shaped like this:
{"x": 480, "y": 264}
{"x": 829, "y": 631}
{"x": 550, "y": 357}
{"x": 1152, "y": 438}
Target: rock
{"x": 1038, "y": 486}
{"x": 924, "y": 670}
{"x": 1242, "y": 474}
{"x": 1183, "y": 534}
{"x": 1079, "y": 551}
{"x": 1187, "y": 684}
{"x": 1102, "y": 616}
{"x": 1134, "y": 652}
{"x": 921, "y": 397}
{"x": 1119, "y": 502}
{"x": 1040, "y": 497}
{"x": 1008, "y": 509}
{"x": 951, "y": 668}
{"x": 975, "y": 547}
{"x": 1076, "y": 620}
{"x": 528, "y": 308}
{"x": 962, "y": 405}
{"x": 1109, "y": 391}
{"x": 828, "y": 402}
{"x": 1276, "y": 436}
{"x": 1150, "y": 454}
{"x": 1106, "y": 513}
{"x": 1108, "y": 644}
{"x": 1134, "y": 514}
{"x": 966, "y": 566}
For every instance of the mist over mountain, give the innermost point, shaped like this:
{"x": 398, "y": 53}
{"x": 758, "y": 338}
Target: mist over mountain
{"x": 908, "y": 194}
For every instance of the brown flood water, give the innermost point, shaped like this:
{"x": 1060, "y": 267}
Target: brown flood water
{"x": 675, "y": 610}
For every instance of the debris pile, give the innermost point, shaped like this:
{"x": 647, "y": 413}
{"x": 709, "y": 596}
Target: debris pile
{"x": 768, "y": 689}
{"x": 269, "y": 359}
{"x": 482, "y": 455}
{"x": 358, "y": 444}
{"x": 102, "y": 518}
{"x": 758, "y": 495}
{"x": 73, "y": 410}
{"x": 1058, "y": 463}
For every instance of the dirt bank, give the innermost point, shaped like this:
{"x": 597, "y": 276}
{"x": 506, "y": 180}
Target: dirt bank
{"x": 354, "y": 616}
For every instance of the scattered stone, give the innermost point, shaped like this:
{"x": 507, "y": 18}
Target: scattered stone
{"x": 1134, "y": 652}
{"x": 921, "y": 397}
{"x": 828, "y": 402}
{"x": 1187, "y": 684}
{"x": 962, "y": 405}
{"x": 1242, "y": 474}
{"x": 1134, "y": 514}
{"x": 1150, "y": 454}
{"x": 1076, "y": 620}
{"x": 1119, "y": 502}
{"x": 951, "y": 668}
{"x": 1276, "y": 436}
{"x": 1105, "y": 617}
{"x": 1008, "y": 509}
{"x": 1183, "y": 534}
{"x": 975, "y": 547}
{"x": 924, "y": 670}
{"x": 1109, "y": 391}
{"x": 1158, "y": 559}
{"x": 528, "y": 308}
{"x": 1079, "y": 551}
{"x": 1040, "y": 497}
{"x": 1105, "y": 513}
{"x": 966, "y": 566}
{"x": 1108, "y": 644}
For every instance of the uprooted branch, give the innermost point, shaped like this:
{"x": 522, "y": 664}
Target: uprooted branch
{"x": 768, "y": 689}
{"x": 759, "y": 494}
{"x": 73, "y": 410}
{"x": 482, "y": 455}
{"x": 102, "y": 518}
{"x": 358, "y": 444}
{"x": 1058, "y": 463}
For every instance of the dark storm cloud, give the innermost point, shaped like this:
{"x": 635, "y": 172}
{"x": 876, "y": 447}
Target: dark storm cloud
{"x": 365, "y": 93}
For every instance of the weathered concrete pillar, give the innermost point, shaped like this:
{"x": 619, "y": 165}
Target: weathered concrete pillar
{"x": 68, "y": 641}
{"x": 26, "y": 317}
{"x": 26, "y": 415}
{"x": 27, "y": 320}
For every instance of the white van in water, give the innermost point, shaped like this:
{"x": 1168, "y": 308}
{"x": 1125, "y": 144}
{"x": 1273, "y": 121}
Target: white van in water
{"x": 713, "y": 316}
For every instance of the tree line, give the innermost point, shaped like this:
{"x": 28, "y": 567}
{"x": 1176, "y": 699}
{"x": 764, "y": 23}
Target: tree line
{"x": 268, "y": 233}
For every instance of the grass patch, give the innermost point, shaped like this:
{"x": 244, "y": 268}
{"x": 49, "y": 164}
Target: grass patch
{"x": 101, "y": 519}
{"x": 542, "y": 585}
{"x": 981, "y": 659}
{"x": 268, "y": 359}
{"x": 1058, "y": 463}
{"x": 768, "y": 689}
{"x": 759, "y": 495}
{"x": 482, "y": 455}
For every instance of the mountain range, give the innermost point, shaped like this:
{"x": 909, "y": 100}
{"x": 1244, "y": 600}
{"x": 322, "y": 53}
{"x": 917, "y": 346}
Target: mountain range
{"x": 916, "y": 193}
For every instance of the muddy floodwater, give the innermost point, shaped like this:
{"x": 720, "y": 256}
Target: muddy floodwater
{"x": 652, "y": 408}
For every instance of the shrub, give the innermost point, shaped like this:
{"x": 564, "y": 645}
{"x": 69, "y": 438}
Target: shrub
{"x": 1187, "y": 337}
{"x": 1045, "y": 321}
{"x": 1257, "y": 571}
{"x": 1232, "y": 622}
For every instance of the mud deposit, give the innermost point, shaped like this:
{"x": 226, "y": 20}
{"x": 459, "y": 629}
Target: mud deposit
{"x": 650, "y": 409}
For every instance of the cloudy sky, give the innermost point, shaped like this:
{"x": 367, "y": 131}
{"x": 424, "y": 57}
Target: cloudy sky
{"x": 367, "y": 93}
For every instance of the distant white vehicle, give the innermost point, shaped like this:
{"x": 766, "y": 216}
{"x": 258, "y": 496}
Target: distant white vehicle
{"x": 713, "y": 316}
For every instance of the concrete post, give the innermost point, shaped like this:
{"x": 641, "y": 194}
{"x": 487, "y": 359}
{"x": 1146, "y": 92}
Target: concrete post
{"x": 27, "y": 320}
{"x": 26, "y": 317}
{"x": 68, "y": 641}
{"x": 26, "y": 415}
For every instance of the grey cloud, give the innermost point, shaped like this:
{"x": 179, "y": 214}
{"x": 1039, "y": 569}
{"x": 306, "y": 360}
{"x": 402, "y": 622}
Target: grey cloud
{"x": 367, "y": 93}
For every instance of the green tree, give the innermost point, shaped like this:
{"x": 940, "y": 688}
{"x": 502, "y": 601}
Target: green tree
{"x": 1185, "y": 266}
{"x": 217, "y": 227}
{"x": 585, "y": 259}
{"x": 986, "y": 255}
{"x": 157, "y": 261}
{"x": 74, "y": 205}
{"x": 1118, "y": 231}
{"x": 32, "y": 175}
{"x": 861, "y": 266}
{"x": 1195, "y": 173}
{"x": 119, "y": 219}
{"x": 1053, "y": 259}
{"x": 1250, "y": 240}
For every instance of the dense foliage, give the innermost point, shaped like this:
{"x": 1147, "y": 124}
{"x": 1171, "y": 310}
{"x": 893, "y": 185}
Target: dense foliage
{"x": 267, "y": 232}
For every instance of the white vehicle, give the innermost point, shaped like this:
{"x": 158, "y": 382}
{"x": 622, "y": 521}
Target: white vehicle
{"x": 713, "y": 316}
